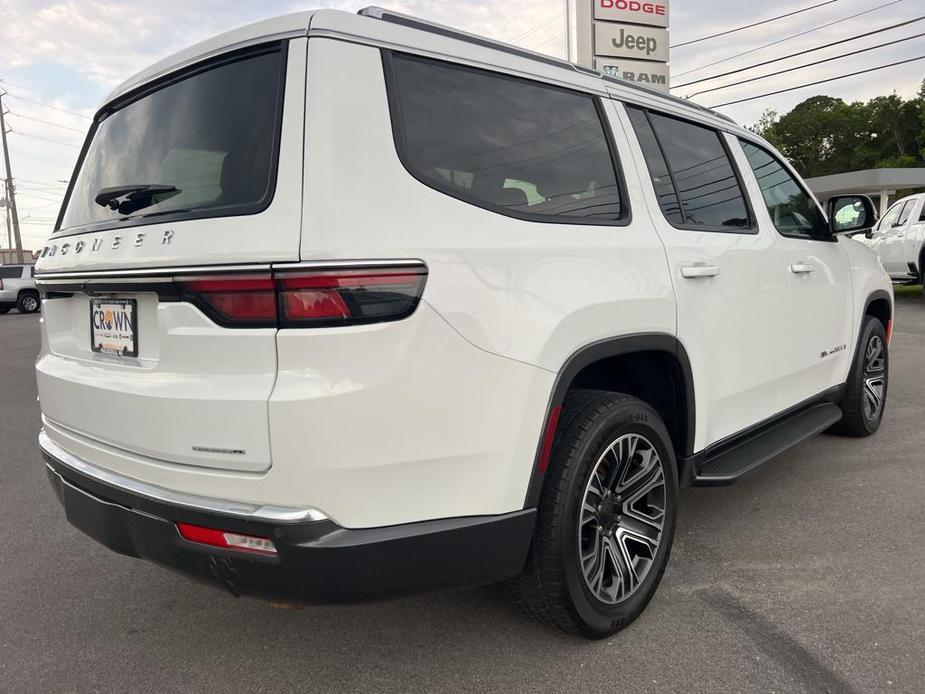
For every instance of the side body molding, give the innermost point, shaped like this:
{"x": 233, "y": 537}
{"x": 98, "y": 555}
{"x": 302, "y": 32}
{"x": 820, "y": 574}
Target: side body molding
{"x": 616, "y": 347}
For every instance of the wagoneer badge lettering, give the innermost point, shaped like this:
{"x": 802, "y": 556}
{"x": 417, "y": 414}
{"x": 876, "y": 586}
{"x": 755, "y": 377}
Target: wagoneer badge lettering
{"x": 97, "y": 243}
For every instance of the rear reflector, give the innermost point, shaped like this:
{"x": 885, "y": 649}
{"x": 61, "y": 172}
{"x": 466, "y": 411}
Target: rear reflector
{"x": 226, "y": 540}
{"x": 320, "y": 298}
{"x": 548, "y": 437}
{"x": 889, "y": 332}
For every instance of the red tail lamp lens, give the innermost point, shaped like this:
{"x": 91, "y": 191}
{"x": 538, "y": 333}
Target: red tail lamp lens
{"x": 350, "y": 296}
{"x": 226, "y": 540}
{"x": 308, "y": 299}
{"x": 243, "y": 299}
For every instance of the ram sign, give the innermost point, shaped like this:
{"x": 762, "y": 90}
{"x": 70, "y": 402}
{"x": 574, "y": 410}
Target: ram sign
{"x": 624, "y": 38}
{"x": 642, "y": 71}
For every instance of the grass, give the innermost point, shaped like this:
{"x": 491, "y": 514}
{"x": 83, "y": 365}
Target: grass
{"x": 904, "y": 290}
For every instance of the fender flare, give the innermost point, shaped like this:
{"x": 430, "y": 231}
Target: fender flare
{"x": 605, "y": 349}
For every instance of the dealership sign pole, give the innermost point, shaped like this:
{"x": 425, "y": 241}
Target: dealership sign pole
{"x": 624, "y": 38}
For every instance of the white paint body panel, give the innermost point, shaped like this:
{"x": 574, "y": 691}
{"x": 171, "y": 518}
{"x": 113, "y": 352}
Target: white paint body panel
{"x": 441, "y": 414}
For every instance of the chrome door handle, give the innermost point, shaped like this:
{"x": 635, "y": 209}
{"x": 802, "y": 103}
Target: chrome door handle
{"x": 692, "y": 271}
{"x": 801, "y": 268}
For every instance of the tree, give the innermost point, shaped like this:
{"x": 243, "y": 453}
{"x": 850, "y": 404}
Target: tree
{"x": 824, "y": 135}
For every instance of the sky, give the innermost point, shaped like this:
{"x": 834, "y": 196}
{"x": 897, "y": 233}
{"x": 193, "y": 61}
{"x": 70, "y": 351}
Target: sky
{"x": 59, "y": 59}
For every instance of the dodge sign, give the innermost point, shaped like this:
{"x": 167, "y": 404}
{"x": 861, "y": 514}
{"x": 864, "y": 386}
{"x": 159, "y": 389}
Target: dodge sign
{"x": 633, "y": 11}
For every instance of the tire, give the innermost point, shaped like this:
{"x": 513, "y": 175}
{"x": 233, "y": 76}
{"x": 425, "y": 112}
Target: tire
{"x": 28, "y": 302}
{"x": 868, "y": 381}
{"x": 596, "y": 430}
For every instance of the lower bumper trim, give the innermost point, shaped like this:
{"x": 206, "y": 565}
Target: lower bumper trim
{"x": 317, "y": 562}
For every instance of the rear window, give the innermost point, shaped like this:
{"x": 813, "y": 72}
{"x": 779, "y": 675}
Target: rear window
{"x": 11, "y": 273}
{"x": 510, "y": 145}
{"x": 202, "y": 144}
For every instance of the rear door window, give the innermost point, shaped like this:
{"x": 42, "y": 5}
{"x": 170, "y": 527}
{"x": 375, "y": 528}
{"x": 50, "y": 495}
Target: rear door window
{"x": 206, "y": 140}
{"x": 695, "y": 180}
{"x": 513, "y": 146}
{"x": 10, "y": 273}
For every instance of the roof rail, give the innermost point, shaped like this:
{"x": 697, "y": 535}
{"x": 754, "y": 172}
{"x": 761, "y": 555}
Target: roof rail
{"x": 449, "y": 32}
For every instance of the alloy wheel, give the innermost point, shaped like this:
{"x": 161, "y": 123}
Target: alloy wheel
{"x": 621, "y": 519}
{"x": 874, "y": 377}
{"x": 30, "y": 304}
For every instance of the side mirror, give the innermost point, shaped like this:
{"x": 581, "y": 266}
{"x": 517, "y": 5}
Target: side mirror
{"x": 851, "y": 214}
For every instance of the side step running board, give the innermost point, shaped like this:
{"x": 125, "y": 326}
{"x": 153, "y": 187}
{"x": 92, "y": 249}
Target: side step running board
{"x": 730, "y": 462}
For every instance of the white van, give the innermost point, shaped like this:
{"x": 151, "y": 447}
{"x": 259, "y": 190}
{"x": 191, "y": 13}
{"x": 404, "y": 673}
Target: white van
{"x": 341, "y": 307}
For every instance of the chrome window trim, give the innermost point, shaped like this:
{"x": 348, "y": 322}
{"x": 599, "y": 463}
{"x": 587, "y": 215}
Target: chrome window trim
{"x": 166, "y": 274}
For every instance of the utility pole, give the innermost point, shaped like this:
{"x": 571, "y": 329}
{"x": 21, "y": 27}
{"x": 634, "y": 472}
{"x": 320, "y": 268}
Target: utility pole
{"x": 10, "y": 193}
{"x": 6, "y": 212}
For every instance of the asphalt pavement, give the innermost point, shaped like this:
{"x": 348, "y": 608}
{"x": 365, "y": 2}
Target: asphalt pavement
{"x": 806, "y": 576}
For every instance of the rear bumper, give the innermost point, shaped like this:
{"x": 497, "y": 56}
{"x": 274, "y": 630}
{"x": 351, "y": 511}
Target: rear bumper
{"x": 317, "y": 561}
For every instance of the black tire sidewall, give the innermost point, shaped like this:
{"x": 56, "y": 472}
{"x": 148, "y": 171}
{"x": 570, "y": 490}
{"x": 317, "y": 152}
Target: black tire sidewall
{"x": 626, "y": 418}
{"x": 872, "y": 327}
{"x": 20, "y": 305}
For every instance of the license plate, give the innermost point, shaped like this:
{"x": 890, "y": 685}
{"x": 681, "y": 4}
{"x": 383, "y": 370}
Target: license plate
{"x": 114, "y": 326}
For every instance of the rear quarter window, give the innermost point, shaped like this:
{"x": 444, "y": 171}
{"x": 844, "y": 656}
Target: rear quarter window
{"x": 514, "y": 146}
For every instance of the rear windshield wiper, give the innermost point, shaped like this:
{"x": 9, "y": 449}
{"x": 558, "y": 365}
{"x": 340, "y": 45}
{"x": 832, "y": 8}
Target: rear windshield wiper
{"x": 128, "y": 199}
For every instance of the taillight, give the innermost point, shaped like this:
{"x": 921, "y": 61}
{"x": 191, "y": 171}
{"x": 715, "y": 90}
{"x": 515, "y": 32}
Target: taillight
{"x": 226, "y": 540}
{"x": 316, "y": 298}
{"x": 349, "y": 296}
{"x": 240, "y": 300}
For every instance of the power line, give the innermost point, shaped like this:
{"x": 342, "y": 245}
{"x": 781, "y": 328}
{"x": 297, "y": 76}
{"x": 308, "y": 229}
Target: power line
{"x": 48, "y": 122}
{"x": 798, "y": 53}
{"x": 55, "y": 108}
{"x": 753, "y": 24}
{"x": 800, "y": 67}
{"x": 4, "y": 81}
{"x": 788, "y": 38}
{"x": 45, "y": 139}
{"x": 812, "y": 84}
{"x": 539, "y": 26}
{"x": 551, "y": 38}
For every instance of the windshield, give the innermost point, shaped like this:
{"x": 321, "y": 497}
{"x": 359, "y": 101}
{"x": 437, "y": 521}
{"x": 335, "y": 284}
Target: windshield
{"x": 202, "y": 145}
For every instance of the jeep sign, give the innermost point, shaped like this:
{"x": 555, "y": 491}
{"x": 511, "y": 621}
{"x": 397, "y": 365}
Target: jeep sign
{"x": 633, "y": 11}
{"x": 630, "y": 41}
{"x": 653, "y": 75}
{"x": 623, "y": 38}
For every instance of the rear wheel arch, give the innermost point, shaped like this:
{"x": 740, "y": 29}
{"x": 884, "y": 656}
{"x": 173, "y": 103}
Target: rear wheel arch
{"x": 880, "y": 306}
{"x": 653, "y": 367}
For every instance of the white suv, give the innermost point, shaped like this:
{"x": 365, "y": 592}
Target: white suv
{"x": 899, "y": 239}
{"x": 17, "y": 289}
{"x": 341, "y": 307}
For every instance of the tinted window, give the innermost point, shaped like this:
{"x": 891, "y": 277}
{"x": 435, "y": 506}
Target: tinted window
{"x": 704, "y": 189}
{"x": 658, "y": 169}
{"x": 507, "y": 144}
{"x": 792, "y": 209}
{"x": 211, "y": 135}
{"x": 10, "y": 273}
{"x": 922, "y": 214}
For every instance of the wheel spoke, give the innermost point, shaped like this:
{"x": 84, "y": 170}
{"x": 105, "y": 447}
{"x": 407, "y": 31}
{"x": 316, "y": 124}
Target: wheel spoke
{"x": 621, "y": 518}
